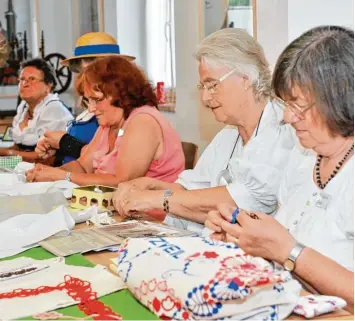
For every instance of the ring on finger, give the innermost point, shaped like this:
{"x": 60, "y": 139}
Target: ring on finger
{"x": 236, "y": 240}
{"x": 253, "y": 216}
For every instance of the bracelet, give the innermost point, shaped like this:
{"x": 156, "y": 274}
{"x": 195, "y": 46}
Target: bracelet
{"x": 67, "y": 176}
{"x": 167, "y": 193}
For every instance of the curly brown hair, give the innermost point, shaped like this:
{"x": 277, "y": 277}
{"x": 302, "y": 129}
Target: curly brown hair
{"x": 119, "y": 79}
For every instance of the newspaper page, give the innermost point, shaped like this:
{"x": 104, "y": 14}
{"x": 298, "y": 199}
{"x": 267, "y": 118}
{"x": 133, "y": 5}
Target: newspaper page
{"x": 97, "y": 238}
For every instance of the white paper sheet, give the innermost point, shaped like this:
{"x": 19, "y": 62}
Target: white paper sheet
{"x": 24, "y": 230}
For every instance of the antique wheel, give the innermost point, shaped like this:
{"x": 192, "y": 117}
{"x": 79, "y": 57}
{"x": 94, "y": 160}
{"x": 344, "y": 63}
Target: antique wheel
{"x": 62, "y": 73}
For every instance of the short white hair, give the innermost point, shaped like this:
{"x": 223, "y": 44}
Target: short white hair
{"x": 234, "y": 48}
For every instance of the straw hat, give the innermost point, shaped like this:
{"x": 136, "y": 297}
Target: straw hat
{"x": 96, "y": 44}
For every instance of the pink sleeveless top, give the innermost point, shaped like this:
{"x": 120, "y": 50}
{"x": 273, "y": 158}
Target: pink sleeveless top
{"x": 167, "y": 168}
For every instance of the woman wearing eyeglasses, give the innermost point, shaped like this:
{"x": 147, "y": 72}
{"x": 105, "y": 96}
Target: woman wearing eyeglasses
{"x": 133, "y": 140}
{"x": 244, "y": 162}
{"x": 67, "y": 146}
{"x": 312, "y": 233}
{"x": 39, "y": 110}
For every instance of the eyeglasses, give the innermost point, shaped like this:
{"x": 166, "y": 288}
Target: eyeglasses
{"x": 212, "y": 85}
{"x": 298, "y": 110}
{"x": 30, "y": 80}
{"x": 94, "y": 100}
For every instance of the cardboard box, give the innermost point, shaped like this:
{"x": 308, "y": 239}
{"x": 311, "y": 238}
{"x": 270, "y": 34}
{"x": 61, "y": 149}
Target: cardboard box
{"x": 86, "y": 196}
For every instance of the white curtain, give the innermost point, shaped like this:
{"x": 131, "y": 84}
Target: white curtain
{"x": 160, "y": 42}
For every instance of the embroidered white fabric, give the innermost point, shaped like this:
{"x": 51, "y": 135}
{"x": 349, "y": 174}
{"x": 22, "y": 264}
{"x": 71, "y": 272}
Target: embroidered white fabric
{"x": 201, "y": 279}
{"x": 51, "y": 274}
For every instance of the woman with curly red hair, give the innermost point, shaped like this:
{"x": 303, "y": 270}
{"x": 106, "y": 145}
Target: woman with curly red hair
{"x": 133, "y": 140}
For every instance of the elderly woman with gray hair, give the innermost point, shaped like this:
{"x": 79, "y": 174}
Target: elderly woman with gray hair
{"x": 244, "y": 162}
{"x": 312, "y": 233}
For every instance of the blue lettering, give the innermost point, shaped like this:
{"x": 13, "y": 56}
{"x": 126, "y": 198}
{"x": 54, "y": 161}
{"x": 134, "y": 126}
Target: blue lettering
{"x": 170, "y": 249}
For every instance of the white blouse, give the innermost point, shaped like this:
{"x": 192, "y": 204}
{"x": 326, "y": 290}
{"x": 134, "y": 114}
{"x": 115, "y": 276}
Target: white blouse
{"x": 320, "y": 219}
{"x": 255, "y": 169}
{"x": 49, "y": 114}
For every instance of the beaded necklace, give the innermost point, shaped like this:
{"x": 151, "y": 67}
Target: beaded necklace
{"x": 337, "y": 168}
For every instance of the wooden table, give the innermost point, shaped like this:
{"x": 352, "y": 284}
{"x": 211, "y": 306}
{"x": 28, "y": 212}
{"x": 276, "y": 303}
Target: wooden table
{"x": 104, "y": 258}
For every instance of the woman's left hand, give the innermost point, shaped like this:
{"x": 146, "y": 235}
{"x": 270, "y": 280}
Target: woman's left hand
{"x": 258, "y": 234}
{"x": 137, "y": 200}
{"x": 42, "y": 173}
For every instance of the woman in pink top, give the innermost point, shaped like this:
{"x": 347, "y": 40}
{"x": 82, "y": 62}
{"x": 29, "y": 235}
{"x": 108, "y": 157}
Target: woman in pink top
{"x": 134, "y": 139}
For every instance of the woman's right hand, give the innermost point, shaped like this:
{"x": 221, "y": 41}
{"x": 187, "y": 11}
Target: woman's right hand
{"x": 141, "y": 183}
{"x": 44, "y": 149}
{"x": 214, "y": 221}
{"x": 53, "y": 137}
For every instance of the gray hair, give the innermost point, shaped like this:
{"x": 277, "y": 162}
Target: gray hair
{"x": 234, "y": 48}
{"x": 321, "y": 63}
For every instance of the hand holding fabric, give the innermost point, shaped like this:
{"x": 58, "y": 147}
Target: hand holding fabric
{"x": 258, "y": 234}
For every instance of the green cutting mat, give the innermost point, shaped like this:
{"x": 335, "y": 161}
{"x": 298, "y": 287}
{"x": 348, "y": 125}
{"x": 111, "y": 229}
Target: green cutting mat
{"x": 121, "y": 302}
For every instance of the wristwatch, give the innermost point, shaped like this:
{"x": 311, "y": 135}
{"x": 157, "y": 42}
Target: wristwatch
{"x": 67, "y": 176}
{"x": 290, "y": 263}
{"x": 168, "y": 192}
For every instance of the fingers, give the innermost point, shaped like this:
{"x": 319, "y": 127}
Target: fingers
{"x": 125, "y": 207}
{"x": 42, "y": 145}
{"x": 226, "y": 210}
{"x": 122, "y": 196}
{"x": 231, "y": 239}
{"x": 213, "y": 221}
{"x": 44, "y": 149}
{"x": 50, "y": 139}
{"x": 30, "y": 175}
{"x": 218, "y": 236}
{"x": 247, "y": 218}
{"x": 118, "y": 198}
{"x": 47, "y": 134}
{"x": 39, "y": 167}
{"x": 232, "y": 229}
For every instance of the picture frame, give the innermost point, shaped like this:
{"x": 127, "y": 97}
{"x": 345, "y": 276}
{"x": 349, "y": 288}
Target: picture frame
{"x": 8, "y": 135}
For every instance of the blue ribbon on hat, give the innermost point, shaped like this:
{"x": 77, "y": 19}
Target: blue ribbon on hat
{"x": 97, "y": 49}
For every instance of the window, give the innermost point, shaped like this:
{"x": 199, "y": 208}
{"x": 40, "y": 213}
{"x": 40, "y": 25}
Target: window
{"x": 145, "y": 29}
{"x": 240, "y": 15}
{"x": 160, "y": 44}
{"x": 88, "y": 16}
